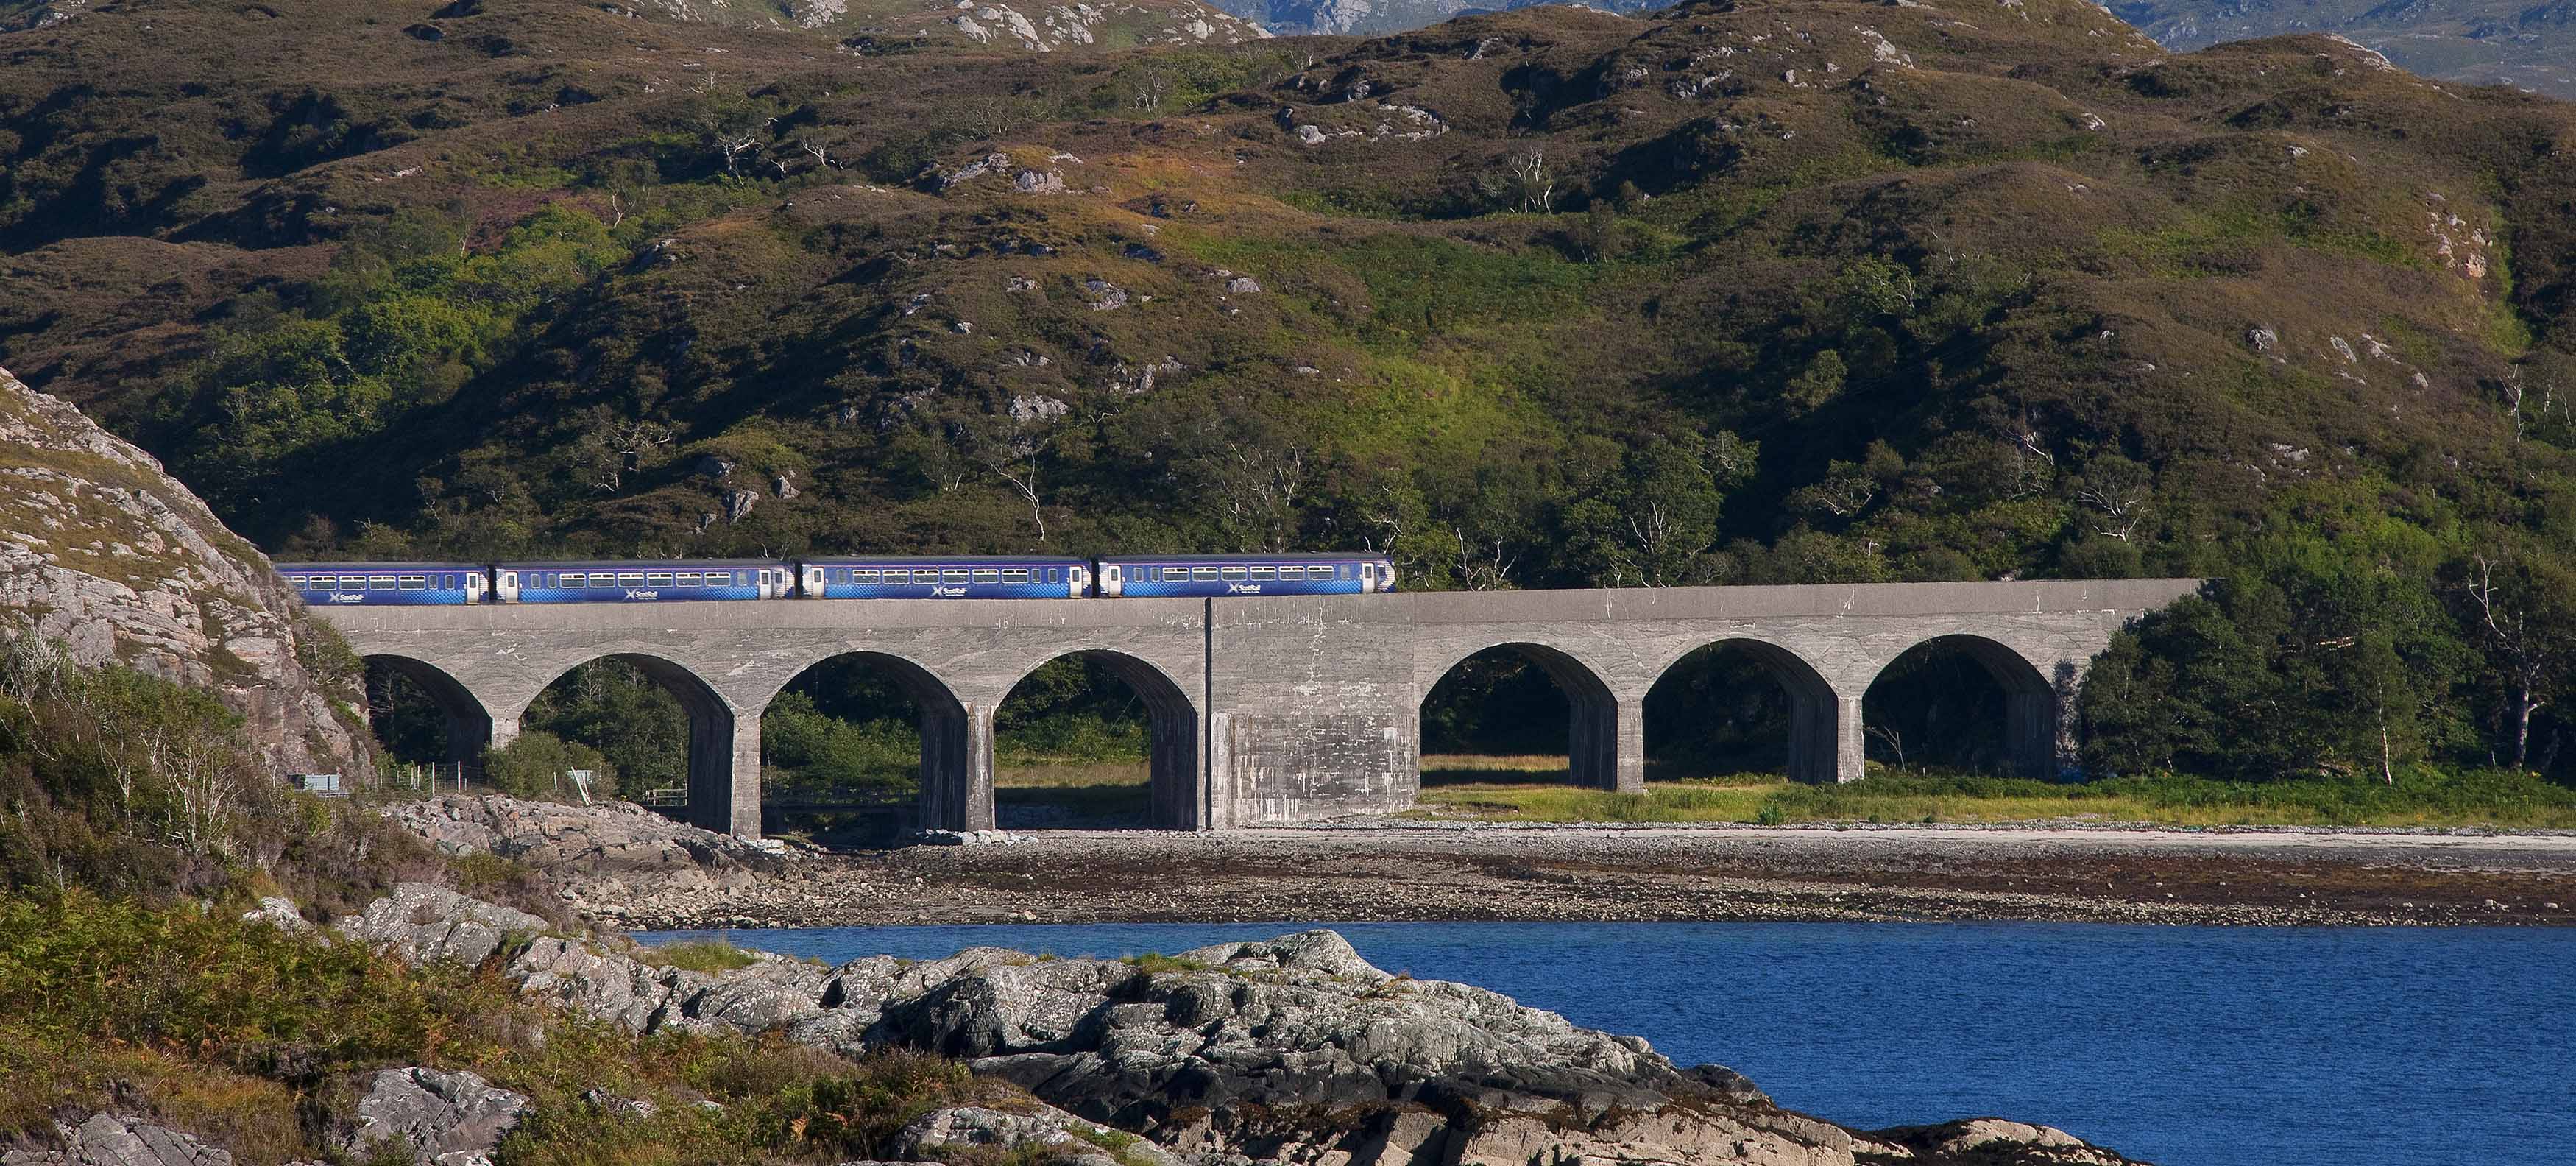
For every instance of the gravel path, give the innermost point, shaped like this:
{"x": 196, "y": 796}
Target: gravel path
{"x": 1409, "y": 871}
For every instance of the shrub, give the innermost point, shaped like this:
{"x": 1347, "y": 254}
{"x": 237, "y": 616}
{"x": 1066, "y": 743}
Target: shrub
{"x": 534, "y": 766}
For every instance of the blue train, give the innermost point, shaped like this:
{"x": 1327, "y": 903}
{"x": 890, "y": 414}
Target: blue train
{"x": 861, "y": 577}
{"x": 1148, "y": 576}
{"x": 344, "y": 584}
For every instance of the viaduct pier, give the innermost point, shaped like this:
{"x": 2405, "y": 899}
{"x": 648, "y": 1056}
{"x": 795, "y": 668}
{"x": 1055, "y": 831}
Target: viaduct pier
{"x": 1262, "y": 710}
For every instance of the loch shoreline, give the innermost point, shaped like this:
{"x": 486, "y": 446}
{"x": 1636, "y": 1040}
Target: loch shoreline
{"x": 1398, "y": 871}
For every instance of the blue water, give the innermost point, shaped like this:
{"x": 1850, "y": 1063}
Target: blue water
{"x": 2185, "y": 1046}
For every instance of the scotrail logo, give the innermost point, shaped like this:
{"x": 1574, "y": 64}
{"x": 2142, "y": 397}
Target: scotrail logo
{"x": 634, "y": 594}
{"x": 947, "y": 592}
{"x": 1243, "y": 589}
{"x": 347, "y": 597}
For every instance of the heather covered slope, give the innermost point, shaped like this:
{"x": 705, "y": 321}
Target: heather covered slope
{"x": 1734, "y": 292}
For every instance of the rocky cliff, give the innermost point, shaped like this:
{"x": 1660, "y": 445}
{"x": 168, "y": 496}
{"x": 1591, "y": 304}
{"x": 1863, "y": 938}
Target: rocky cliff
{"x": 1289, "y": 1050}
{"x": 106, "y": 554}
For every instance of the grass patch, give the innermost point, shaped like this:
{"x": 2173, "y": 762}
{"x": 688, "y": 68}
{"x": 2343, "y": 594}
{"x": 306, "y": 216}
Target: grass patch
{"x": 1029, "y": 772}
{"x": 1155, "y": 962}
{"x": 711, "y": 956}
{"x": 2424, "y": 798}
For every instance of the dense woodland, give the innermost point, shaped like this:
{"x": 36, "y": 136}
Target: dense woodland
{"x": 1745, "y": 292}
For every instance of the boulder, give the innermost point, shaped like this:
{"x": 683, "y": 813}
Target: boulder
{"x": 609, "y": 858}
{"x": 421, "y": 923}
{"x": 280, "y": 912}
{"x": 105, "y": 554}
{"x": 557, "y": 835}
{"x": 110, "y": 1140}
{"x": 961, "y": 1131}
{"x": 2006, "y": 1143}
{"x": 443, "y": 1119}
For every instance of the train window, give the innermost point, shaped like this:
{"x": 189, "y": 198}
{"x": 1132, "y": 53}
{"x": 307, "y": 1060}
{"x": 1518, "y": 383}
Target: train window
{"x": 1015, "y": 574}
{"x": 686, "y": 579}
{"x": 952, "y": 576}
{"x": 1203, "y": 574}
{"x": 863, "y": 576}
{"x": 1052, "y": 577}
{"x": 630, "y": 578}
{"x": 603, "y": 579}
{"x": 659, "y": 579}
{"x": 380, "y": 582}
{"x": 1265, "y": 572}
{"x": 414, "y": 582}
{"x": 1233, "y": 574}
{"x": 1346, "y": 570}
{"x": 987, "y": 575}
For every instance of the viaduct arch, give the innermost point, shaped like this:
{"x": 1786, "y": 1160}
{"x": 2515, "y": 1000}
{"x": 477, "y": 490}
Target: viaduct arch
{"x": 1264, "y": 710}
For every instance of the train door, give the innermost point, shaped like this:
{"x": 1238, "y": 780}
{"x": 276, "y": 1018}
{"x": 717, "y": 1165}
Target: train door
{"x": 507, "y": 587}
{"x": 474, "y": 587}
{"x": 1081, "y": 587}
{"x": 768, "y": 583}
{"x": 1112, "y": 580}
{"x": 1368, "y": 577}
{"x": 814, "y": 586}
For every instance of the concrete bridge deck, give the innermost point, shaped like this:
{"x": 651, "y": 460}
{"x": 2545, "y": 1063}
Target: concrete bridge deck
{"x": 1273, "y": 709}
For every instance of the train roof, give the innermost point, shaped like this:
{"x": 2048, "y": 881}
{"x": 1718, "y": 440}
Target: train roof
{"x": 405, "y": 565}
{"x": 632, "y": 564}
{"x": 1047, "y": 560}
{"x": 1283, "y": 557}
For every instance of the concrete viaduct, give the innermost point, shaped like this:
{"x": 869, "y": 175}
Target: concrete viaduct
{"x": 1262, "y": 710}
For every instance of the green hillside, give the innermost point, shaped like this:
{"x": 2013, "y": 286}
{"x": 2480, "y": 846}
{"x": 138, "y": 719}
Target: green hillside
{"x": 1729, "y": 293}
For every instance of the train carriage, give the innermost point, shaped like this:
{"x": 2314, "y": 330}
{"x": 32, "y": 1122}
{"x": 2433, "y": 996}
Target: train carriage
{"x": 1147, "y": 576}
{"x": 378, "y": 584}
{"x": 945, "y": 577}
{"x": 651, "y": 581}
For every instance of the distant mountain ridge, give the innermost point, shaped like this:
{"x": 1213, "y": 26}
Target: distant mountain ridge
{"x": 1378, "y": 17}
{"x": 2487, "y": 42}
{"x": 2509, "y": 42}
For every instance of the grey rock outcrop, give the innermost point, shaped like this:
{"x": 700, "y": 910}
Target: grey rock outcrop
{"x": 619, "y": 835}
{"x": 110, "y": 1140}
{"x": 609, "y": 858}
{"x": 1234, "y": 1049}
{"x": 106, "y": 554}
{"x": 941, "y": 1132}
{"x": 422, "y": 923}
{"x": 442, "y": 1119}
{"x": 279, "y": 912}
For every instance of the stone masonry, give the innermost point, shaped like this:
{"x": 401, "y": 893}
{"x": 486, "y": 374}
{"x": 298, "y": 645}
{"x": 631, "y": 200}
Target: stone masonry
{"x": 1261, "y": 710}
